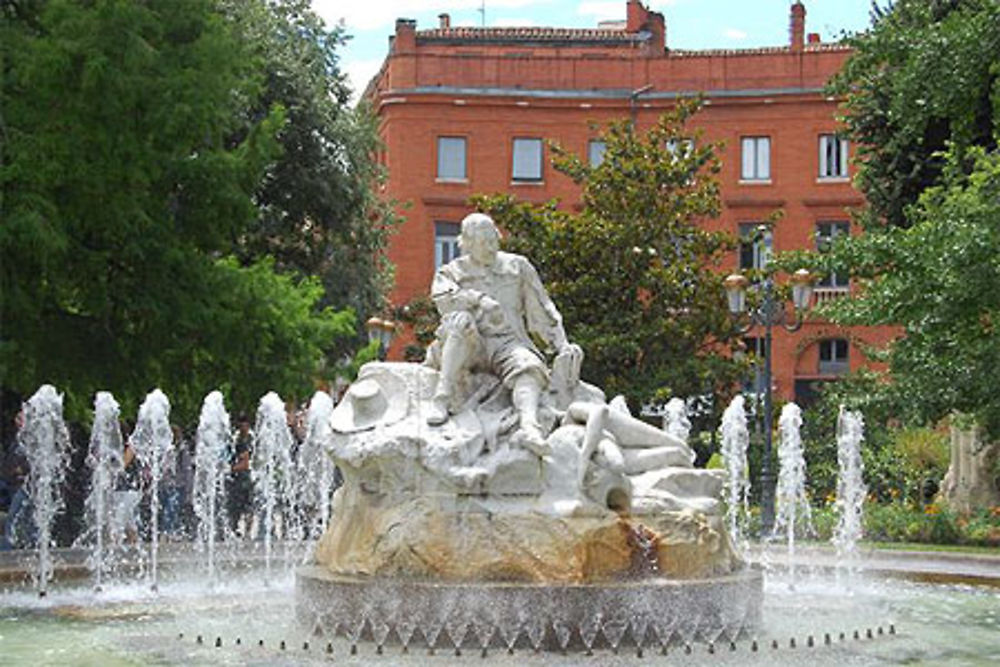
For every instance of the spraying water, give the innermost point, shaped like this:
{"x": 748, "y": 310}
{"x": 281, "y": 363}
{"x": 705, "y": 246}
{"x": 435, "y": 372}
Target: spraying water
{"x": 272, "y": 466}
{"x": 735, "y": 441}
{"x": 851, "y": 488}
{"x": 104, "y": 458}
{"x": 44, "y": 442}
{"x": 315, "y": 464}
{"x": 675, "y": 419}
{"x": 153, "y": 442}
{"x": 792, "y": 503}
{"x": 211, "y": 464}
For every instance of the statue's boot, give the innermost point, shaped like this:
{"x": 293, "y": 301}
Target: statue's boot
{"x": 438, "y": 412}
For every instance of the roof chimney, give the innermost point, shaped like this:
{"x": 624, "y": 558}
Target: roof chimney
{"x": 640, "y": 19}
{"x": 445, "y": 21}
{"x": 797, "y": 29}
{"x": 406, "y": 36}
{"x": 635, "y": 15}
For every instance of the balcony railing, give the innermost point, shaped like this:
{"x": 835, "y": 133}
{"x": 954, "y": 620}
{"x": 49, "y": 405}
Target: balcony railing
{"x": 827, "y": 294}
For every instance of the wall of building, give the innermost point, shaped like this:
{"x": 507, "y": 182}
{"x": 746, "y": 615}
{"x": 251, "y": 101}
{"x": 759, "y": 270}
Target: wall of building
{"x": 491, "y": 85}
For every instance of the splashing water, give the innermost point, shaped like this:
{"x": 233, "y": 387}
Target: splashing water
{"x": 272, "y": 468}
{"x": 104, "y": 458}
{"x": 316, "y": 465}
{"x": 211, "y": 464}
{"x": 153, "y": 442}
{"x": 851, "y": 488}
{"x": 44, "y": 441}
{"x": 735, "y": 441}
{"x": 792, "y": 503}
{"x": 675, "y": 419}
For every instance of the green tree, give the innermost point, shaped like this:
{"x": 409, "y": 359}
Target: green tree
{"x": 926, "y": 75}
{"x": 122, "y": 193}
{"x": 937, "y": 279}
{"x": 634, "y": 273}
{"x": 318, "y": 213}
{"x": 923, "y": 106}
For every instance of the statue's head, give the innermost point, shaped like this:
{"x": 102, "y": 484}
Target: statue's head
{"x": 480, "y": 238}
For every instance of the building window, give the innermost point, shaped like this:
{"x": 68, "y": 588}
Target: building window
{"x": 826, "y": 232}
{"x": 756, "y": 159}
{"x": 756, "y": 244}
{"x": 446, "y": 242}
{"x": 451, "y": 158}
{"x": 680, "y": 148}
{"x": 595, "y": 152}
{"x": 833, "y": 358}
{"x": 527, "y": 164}
{"x": 832, "y": 156}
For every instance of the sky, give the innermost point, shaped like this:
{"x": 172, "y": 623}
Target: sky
{"x": 691, "y": 24}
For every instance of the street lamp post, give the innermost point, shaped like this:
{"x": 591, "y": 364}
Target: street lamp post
{"x": 633, "y": 99}
{"x": 382, "y": 331}
{"x": 770, "y": 312}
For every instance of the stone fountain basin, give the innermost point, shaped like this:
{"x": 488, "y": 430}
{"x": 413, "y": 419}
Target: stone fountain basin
{"x": 528, "y": 615}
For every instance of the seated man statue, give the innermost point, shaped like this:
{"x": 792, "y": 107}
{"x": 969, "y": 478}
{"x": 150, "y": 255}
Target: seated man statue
{"x": 490, "y": 301}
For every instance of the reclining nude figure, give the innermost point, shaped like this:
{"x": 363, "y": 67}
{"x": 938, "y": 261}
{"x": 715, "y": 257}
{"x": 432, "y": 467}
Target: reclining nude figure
{"x": 490, "y": 301}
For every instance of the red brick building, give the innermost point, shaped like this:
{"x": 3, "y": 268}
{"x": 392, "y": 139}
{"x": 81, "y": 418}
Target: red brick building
{"x": 467, "y": 110}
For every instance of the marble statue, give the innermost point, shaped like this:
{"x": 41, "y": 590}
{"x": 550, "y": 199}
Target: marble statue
{"x": 490, "y": 302}
{"x": 494, "y": 460}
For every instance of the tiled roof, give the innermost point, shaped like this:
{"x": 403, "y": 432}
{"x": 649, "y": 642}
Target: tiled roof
{"x": 530, "y": 34}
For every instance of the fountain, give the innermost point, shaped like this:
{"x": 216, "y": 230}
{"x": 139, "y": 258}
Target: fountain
{"x": 153, "y": 441}
{"x": 486, "y": 482}
{"x": 44, "y": 442}
{"x": 480, "y": 507}
{"x": 211, "y": 456}
{"x": 735, "y": 440}
{"x": 790, "y": 495}
{"x": 104, "y": 458}
{"x": 316, "y": 466}
{"x": 272, "y": 471}
{"x": 851, "y": 488}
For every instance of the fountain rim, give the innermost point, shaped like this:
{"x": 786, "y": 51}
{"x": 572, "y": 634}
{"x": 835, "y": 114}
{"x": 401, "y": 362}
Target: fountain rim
{"x": 750, "y": 574}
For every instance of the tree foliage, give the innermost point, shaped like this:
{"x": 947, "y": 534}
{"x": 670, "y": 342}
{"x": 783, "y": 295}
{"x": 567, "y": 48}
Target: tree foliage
{"x": 137, "y": 139}
{"x": 926, "y": 75}
{"x": 938, "y": 280}
{"x": 632, "y": 272}
{"x": 923, "y": 105}
{"x": 318, "y": 211}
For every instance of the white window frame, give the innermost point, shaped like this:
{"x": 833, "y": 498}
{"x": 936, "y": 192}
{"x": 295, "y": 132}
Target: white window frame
{"x": 833, "y": 150}
{"x": 680, "y": 147}
{"x": 835, "y": 365}
{"x": 527, "y": 159}
{"x": 763, "y": 248}
{"x": 452, "y": 148}
{"x": 446, "y": 246}
{"x": 755, "y": 159}
{"x": 596, "y": 148}
{"x": 833, "y": 230}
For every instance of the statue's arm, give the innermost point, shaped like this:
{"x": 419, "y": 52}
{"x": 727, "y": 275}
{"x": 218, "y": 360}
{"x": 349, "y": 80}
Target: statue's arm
{"x": 541, "y": 314}
{"x": 449, "y": 296}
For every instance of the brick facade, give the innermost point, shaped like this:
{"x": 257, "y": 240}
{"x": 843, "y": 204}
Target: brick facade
{"x": 488, "y": 86}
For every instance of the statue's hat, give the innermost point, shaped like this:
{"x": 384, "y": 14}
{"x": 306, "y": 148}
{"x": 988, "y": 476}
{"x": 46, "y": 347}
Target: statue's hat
{"x": 369, "y": 401}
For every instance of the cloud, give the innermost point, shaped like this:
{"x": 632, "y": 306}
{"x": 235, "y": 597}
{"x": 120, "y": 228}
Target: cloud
{"x": 614, "y": 10}
{"x": 513, "y": 22}
{"x": 359, "y": 73}
{"x": 601, "y": 10}
{"x": 383, "y": 13}
{"x": 734, "y": 34}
